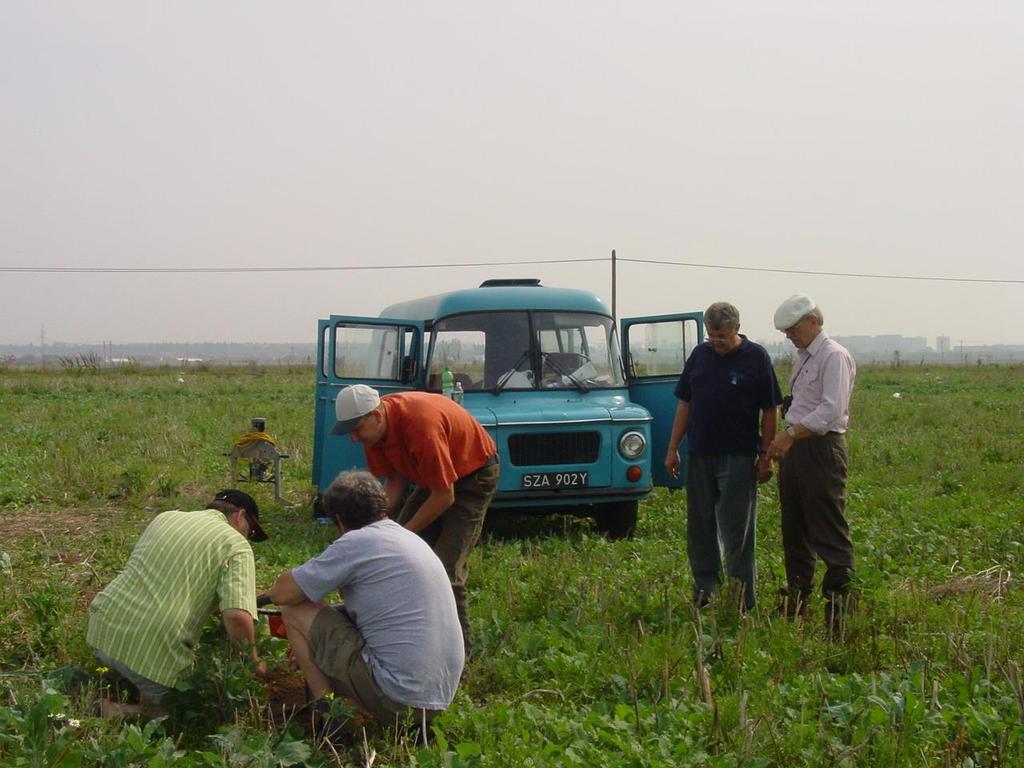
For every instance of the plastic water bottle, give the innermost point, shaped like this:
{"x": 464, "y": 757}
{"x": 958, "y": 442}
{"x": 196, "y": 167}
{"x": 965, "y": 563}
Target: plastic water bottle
{"x": 458, "y": 392}
{"x": 446, "y": 382}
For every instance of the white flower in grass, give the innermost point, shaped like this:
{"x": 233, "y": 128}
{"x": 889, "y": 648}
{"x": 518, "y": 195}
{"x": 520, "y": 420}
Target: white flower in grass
{"x": 73, "y": 723}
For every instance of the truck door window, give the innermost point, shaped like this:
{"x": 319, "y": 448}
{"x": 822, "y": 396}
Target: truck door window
{"x": 370, "y": 351}
{"x": 660, "y": 348}
{"x": 325, "y": 346}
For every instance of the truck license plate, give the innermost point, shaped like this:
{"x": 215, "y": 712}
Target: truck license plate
{"x": 556, "y": 479}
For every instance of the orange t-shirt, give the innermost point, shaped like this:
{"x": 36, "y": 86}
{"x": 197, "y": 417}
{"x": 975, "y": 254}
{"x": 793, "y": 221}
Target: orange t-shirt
{"x": 431, "y": 441}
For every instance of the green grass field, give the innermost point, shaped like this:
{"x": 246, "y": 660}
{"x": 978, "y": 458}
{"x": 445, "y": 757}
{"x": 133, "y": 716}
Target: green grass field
{"x": 587, "y": 650}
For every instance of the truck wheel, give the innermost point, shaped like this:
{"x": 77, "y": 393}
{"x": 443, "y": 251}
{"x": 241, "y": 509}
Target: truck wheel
{"x": 616, "y": 520}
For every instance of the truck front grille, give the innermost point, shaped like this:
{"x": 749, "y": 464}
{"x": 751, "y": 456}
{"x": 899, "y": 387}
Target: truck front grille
{"x": 554, "y": 448}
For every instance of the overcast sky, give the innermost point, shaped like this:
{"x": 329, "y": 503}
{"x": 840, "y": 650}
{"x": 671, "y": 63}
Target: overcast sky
{"x": 880, "y": 137}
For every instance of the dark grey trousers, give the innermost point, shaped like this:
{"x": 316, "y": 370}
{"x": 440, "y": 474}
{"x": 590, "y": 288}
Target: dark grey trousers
{"x": 812, "y": 494}
{"x": 721, "y": 518}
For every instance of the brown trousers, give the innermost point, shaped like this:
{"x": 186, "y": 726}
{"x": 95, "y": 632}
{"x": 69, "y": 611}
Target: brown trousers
{"x": 812, "y": 494}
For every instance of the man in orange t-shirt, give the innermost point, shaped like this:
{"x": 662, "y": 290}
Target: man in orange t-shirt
{"x": 435, "y": 444}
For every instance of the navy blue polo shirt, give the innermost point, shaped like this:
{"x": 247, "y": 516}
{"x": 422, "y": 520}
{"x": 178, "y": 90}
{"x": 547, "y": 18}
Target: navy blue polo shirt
{"x": 726, "y": 396}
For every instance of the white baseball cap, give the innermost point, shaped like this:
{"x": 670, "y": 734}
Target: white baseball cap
{"x": 352, "y": 404}
{"x": 792, "y": 310}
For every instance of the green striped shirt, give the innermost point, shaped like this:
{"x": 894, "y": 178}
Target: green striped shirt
{"x": 184, "y": 566}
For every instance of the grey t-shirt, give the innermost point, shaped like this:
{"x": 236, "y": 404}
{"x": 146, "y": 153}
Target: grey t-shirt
{"x": 398, "y": 595}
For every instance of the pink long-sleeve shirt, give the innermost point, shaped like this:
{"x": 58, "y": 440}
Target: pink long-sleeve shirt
{"x": 821, "y": 384}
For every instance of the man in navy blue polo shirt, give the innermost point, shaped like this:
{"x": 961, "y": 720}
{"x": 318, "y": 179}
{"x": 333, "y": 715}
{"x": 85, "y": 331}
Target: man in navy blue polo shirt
{"x": 728, "y": 397}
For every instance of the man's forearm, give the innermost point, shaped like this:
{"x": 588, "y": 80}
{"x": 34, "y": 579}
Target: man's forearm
{"x": 437, "y": 504}
{"x": 680, "y": 424}
{"x": 769, "y": 426}
{"x": 239, "y": 627}
{"x": 799, "y": 431}
{"x": 394, "y": 490}
{"x": 286, "y": 591}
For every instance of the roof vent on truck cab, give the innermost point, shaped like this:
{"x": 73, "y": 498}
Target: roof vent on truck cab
{"x": 502, "y": 282}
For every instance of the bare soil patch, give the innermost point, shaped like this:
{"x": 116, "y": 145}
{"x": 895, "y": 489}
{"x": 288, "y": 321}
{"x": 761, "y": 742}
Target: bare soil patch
{"x": 46, "y": 523}
{"x": 286, "y": 698}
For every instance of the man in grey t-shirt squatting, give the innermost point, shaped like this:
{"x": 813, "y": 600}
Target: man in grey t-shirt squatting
{"x": 395, "y": 648}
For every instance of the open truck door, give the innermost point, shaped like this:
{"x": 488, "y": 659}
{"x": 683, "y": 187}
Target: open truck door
{"x": 654, "y": 350}
{"x": 384, "y": 353}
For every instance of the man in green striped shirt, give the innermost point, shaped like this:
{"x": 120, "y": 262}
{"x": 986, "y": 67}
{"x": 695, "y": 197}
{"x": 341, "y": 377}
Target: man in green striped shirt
{"x": 185, "y": 565}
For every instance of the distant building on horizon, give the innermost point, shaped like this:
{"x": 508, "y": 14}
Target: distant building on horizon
{"x": 913, "y": 350}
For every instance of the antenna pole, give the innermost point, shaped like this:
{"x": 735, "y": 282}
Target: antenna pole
{"x": 615, "y": 317}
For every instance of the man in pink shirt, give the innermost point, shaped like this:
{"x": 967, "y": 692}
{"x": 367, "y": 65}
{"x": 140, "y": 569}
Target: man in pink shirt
{"x": 813, "y": 460}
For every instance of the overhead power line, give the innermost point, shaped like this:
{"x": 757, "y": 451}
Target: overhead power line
{"x": 691, "y": 264}
{"x": 824, "y": 273}
{"x": 175, "y": 270}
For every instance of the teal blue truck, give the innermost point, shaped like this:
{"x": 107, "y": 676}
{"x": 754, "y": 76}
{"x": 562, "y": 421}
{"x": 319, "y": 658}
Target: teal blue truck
{"x": 581, "y": 410}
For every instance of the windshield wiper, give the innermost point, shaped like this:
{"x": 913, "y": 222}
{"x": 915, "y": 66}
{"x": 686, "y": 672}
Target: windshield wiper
{"x": 504, "y": 378}
{"x": 547, "y": 357}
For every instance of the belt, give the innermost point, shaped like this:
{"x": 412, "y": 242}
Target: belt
{"x": 489, "y": 462}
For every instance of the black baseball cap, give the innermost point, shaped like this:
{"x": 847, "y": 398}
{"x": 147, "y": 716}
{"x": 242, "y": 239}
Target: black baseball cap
{"x": 244, "y": 501}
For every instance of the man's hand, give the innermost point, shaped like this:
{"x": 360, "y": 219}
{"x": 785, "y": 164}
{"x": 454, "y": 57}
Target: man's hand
{"x": 780, "y": 446}
{"x": 784, "y": 440}
{"x": 672, "y": 463}
{"x": 764, "y": 468}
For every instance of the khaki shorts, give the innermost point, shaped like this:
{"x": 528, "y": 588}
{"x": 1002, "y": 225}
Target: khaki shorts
{"x": 337, "y": 650}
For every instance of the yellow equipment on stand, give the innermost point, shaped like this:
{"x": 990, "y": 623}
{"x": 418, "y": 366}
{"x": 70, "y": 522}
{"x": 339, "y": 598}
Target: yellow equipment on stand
{"x": 259, "y": 450}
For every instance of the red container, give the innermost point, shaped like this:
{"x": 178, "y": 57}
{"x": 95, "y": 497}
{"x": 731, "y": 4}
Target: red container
{"x": 276, "y": 624}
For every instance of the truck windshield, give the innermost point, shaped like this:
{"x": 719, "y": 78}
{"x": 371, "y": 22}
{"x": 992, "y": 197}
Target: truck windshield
{"x": 498, "y": 351}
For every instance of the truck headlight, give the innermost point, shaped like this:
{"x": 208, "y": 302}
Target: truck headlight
{"x": 632, "y": 445}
